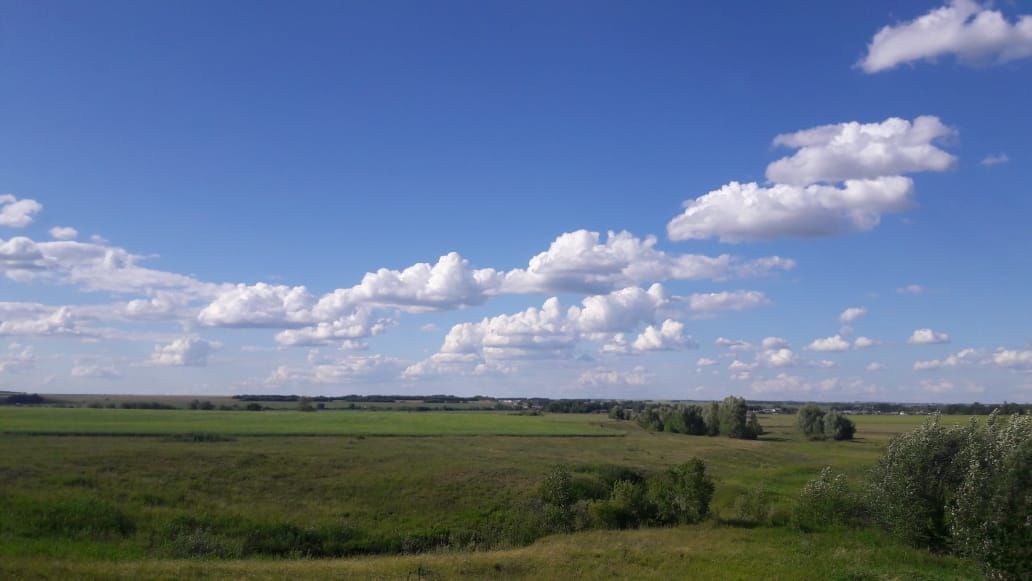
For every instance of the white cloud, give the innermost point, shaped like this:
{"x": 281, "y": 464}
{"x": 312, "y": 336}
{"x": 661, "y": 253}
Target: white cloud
{"x": 20, "y": 359}
{"x": 851, "y": 151}
{"x": 580, "y": 262}
{"x": 874, "y": 366}
{"x": 708, "y": 304}
{"x": 602, "y": 377}
{"x": 1020, "y": 360}
{"x": 780, "y": 357}
{"x": 834, "y": 343}
{"x": 96, "y": 371}
{"x": 742, "y": 212}
{"x": 36, "y": 319}
{"x": 350, "y": 369}
{"x": 995, "y": 159}
{"x": 706, "y": 362}
{"x": 733, "y": 344}
{"x": 15, "y": 213}
{"x": 259, "y": 305}
{"x": 864, "y": 343}
{"x": 782, "y": 383}
{"x": 64, "y": 233}
{"x": 774, "y": 343}
{"x": 911, "y": 289}
{"x": 965, "y": 356}
{"x": 927, "y": 337}
{"x": 936, "y": 386}
{"x": 851, "y": 314}
{"x": 184, "y": 352}
{"x": 963, "y": 28}
{"x": 429, "y": 328}
{"x": 842, "y": 179}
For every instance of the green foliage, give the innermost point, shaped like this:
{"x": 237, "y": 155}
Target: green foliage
{"x": 966, "y": 489}
{"x": 753, "y": 426}
{"x": 989, "y": 516}
{"x": 810, "y": 421}
{"x": 556, "y": 493}
{"x": 683, "y": 496}
{"x": 825, "y": 501}
{"x": 754, "y": 506}
{"x": 711, "y": 418}
{"x": 838, "y": 426}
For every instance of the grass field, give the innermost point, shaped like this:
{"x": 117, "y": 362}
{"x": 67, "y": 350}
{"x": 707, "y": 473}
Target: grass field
{"x": 135, "y": 506}
{"x": 45, "y": 420}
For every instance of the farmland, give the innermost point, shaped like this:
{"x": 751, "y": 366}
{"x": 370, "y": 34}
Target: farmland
{"x": 136, "y": 491}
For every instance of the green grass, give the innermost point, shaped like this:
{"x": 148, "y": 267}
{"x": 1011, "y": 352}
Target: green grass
{"x": 48, "y": 420}
{"x": 102, "y": 506}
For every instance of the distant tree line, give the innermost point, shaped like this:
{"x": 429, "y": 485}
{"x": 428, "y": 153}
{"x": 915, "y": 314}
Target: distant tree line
{"x": 730, "y": 417}
{"x": 24, "y": 399}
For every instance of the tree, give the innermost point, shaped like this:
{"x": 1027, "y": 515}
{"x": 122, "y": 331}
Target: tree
{"x": 733, "y": 420}
{"x": 754, "y": 427}
{"x": 684, "y": 495}
{"x": 838, "y": 426}
{"x": 712, "y": 419}
{"x": 305, "y": 405}
{"x": 693, "y": 421}
{"x": 810, "y": 421}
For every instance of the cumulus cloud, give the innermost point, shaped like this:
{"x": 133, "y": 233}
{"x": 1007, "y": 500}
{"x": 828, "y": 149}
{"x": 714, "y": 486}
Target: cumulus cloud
{"x": 347, "y": 370}
{"x": 96, "y": 371}
{"x": 965, "y": 356}
{"x": 582, "y": 262}
{"x": 851, "y": 151}
{"x": 184, "y": 352}
{"x": 36, "y": 319}
{"x": 18, "y": 360}
{"x": 963, "y": 28}
{"x": 551, "y": 332}
{"x": 1016, "y": 359}
{"x": 864, "y": 343}
{"x": 733, "y": 344}
{"x": 743, "y": 212}
{"x": 15, "y": 213}
{"x": 834, "y": 343}
{"x": 706, "y": 362}
{"x": 927, "y": 337}
{"x": 851, "y": 314}
{"x": 602, "y": 377}
{"x": 843, "y": 178}
{"x": 995, "y": 159}
{"x": 64, "y": 233}
{"x": 874, "y": 366}
{"x": 708, "y": 304}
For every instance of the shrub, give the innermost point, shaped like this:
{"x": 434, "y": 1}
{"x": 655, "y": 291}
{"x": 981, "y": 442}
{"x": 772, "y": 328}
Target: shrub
{"x": 556, "y": 493}
{"x": 912, "y": 484}
{"x": 989, "y": 515}
{"x": 626, "y": 507}
{"x": 712, "y": 419}
{"x": 810, "y": 421}
{"x": 838, "y": 426}
{"x": 754, "y": 506}
{"x": 825, "y": 501}
{"x": 684, "y": 495}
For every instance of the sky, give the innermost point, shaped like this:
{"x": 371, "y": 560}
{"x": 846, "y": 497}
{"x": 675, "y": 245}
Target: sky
{"x": 800, "y": 200}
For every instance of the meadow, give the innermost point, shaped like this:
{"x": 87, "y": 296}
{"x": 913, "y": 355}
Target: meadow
{"x": 402, "y": 495}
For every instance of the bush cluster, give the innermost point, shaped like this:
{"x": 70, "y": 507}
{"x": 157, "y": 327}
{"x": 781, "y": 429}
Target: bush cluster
{"x": 627, "y": 499}
{"x": 965, "y": 489}
{"x": 730, "y": 418}
{"x": 812, "y": 422}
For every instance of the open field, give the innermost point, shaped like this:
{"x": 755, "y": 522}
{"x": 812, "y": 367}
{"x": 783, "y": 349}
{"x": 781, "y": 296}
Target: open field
{"x": 44, "y": 420}
{"x": 130, "y": 506}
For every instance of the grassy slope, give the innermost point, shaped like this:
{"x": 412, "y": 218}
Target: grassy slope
{"x": 697, "y": 552}
{"x": 391, "y": 486}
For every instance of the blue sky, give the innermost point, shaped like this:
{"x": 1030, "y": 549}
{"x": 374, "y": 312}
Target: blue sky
{"x": 224, "y": 159}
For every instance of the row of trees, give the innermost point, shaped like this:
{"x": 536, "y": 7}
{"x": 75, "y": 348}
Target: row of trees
{"x": 814, "y": 423}
{"x": 730, "y": 418}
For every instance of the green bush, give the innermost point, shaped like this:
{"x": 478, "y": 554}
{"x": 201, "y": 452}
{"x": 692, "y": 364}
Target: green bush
{"x": 683, "y": 496}
{"x": 754, "y": 506}
{"x": 556, "y": 493}
{"x": 810, "y": 421}
{"x": 838, "y": 426}
{"x": 825, "y": 501}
